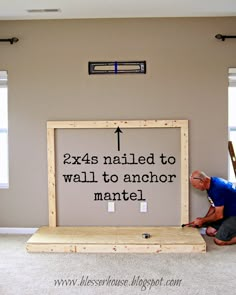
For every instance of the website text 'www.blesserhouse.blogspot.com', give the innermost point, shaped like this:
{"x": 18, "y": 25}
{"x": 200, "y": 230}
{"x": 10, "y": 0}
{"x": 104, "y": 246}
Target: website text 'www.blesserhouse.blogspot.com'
{"x": 136, "y": 281}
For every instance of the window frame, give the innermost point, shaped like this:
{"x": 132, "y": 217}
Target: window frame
{"x": 231, "y": 127}
{"x": 4, "y": 84}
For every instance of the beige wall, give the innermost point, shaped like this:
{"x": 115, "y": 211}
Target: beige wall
{"x": 77, "y": 203}
{"x": 186, "y": 79}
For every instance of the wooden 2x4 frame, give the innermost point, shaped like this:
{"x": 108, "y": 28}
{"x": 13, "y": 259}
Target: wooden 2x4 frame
{"x": 135, "y": 124}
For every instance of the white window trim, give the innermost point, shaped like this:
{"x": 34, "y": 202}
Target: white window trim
{"x": 3, "y": 84}
{"x": 231, "y": 128}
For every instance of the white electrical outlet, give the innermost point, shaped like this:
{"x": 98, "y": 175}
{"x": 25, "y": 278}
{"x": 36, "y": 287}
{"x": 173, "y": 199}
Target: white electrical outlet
{"x": 111, "y": 207}
{"x": 143, "y": 207}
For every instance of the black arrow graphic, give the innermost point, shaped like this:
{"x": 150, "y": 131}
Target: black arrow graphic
{"x": 118, "y": 131}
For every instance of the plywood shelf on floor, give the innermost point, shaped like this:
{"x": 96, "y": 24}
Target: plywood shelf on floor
{"x": 116, "y": 240}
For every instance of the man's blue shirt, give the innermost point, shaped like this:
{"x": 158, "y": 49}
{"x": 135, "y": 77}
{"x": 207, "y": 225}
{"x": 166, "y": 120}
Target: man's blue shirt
{"x": 223, "y": 193}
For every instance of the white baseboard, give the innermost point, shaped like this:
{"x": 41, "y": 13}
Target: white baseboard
{"x": 17, "y": 230}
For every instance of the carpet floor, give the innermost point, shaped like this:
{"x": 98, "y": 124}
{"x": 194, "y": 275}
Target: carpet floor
{"x": 23, "y": 273}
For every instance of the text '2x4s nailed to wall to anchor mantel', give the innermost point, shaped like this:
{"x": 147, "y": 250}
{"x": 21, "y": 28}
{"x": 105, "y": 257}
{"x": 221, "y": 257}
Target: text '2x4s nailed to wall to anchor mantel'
{"x": 84, "y": 176}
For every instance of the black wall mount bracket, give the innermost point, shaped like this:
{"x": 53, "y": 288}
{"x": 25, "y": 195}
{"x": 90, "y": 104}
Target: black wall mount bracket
{"x": 11, "y": 40}
{"x": 223, "y": 37}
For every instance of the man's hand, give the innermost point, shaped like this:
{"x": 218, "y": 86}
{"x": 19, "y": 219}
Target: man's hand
{"x": 198, "y": 222}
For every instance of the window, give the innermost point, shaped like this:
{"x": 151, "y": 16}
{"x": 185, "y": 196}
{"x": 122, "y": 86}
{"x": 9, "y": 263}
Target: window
{"x": 232, "y": 117}
{"x": 4, "y": 178}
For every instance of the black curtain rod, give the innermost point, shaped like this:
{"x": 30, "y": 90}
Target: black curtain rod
{"x": 11, "y": 40}
{"x": 223, "y": 37}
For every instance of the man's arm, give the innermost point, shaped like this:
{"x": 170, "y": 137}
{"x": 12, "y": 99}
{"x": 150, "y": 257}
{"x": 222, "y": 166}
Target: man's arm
{"x": 216, "y": 215}
{"x": 210, "y": 211}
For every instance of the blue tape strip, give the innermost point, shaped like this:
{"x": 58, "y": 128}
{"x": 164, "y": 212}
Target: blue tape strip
{"x": 116, "y": 67}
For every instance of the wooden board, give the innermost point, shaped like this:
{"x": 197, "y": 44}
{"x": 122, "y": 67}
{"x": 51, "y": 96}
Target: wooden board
{"x": 116, "y": 240}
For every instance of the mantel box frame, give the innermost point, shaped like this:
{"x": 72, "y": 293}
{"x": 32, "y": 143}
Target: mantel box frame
{"x": 135, "y": 124}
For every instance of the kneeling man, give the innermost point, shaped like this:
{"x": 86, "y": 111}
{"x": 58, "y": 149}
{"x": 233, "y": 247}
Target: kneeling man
{"x": 220, "y": 219}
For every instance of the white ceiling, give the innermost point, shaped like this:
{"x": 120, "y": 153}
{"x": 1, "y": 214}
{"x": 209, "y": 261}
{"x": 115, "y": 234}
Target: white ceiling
{"x": 17, "y": 9}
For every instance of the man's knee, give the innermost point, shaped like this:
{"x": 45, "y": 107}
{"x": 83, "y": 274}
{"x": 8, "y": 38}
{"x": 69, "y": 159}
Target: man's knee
{"x": 211, "y": 231}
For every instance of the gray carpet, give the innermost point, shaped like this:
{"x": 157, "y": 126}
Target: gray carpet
{"x": 33, "y": 274}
